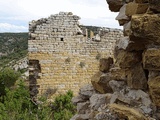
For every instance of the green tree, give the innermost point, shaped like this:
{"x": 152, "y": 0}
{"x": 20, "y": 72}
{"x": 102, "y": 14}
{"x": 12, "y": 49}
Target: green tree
{"x": 63, "y": 108}
{"x": 8, "y": 78}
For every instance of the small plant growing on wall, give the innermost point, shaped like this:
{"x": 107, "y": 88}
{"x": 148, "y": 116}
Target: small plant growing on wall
{"x": 82, "y": 64}
{"x": 98, "y": 56}
{"x": 68, "y": 60}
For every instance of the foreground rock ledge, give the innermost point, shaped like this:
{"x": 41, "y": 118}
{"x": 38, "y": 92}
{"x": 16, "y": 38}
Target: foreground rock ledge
{"x": 127, "y": 113}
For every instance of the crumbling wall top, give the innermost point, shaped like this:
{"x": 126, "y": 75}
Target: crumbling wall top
{"x": 64, "y": 24}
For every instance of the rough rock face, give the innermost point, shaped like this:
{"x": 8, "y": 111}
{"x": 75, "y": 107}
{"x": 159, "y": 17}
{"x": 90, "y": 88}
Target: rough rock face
{"x": 127, "y": 59}
{"x": 115, "y": 5}
{"x": 136, "y": 78}
{"x": 151, "y": 59}
{"x": 135, "y": 8}
{"x": 154, "y": 85}
{"x": 105, "y": 64}
{"x": 100, "y": 82}
{"x": 145, "y": 27}
{"x": 127, "y": 112}
{"x": 132, "y": 84}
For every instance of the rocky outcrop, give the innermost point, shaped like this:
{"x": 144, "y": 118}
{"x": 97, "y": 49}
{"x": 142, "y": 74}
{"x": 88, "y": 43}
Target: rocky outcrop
{"x": 129, "y": 89}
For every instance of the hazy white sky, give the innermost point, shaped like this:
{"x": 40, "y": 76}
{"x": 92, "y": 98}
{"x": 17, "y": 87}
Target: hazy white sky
{"x": 15, "y": 14}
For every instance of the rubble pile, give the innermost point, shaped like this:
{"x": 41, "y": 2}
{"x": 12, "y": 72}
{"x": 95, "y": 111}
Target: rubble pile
{"x": 127, "y": 89}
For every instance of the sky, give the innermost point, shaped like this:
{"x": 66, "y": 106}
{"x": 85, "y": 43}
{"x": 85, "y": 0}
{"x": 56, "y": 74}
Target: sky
{"x": 16, "y": 14}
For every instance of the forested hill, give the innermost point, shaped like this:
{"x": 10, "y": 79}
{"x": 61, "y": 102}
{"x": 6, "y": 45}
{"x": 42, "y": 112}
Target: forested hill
{"x": 13, "y": 46}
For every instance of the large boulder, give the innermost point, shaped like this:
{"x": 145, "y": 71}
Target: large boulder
{"x": 145, "y": 29}
{"x": 154, "y": 85}
{"x": 151, "y": 59}
{"x": 83, "y": 108}
{"x": 78, "y": 99}
{"x": 122, "y": 18}
{"x": 128, "y": 113}
{"x": 122, "y": 43}
{"x": 127, "y": 59}
{"x": 98, "y": 100}
{"x": 134, "y": 98}
{"x": 100, "y": 82}
{"x": 117, "y": 85}
{"x": 136, "y": 78}
{"x": 136, "y": 8}
{"x": 115, "y": 5}
{"x": 105, "y": 64}
{"x": 117, "y": 73}
{"x": 86, "y": 91}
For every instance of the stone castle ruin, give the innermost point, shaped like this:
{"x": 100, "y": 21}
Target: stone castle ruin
{"x": 62, "y": 57}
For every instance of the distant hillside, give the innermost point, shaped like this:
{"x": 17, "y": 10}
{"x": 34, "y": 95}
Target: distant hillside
{"x": 13, "y": 46}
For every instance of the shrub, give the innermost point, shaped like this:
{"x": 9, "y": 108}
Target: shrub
{"x": 62, "y": 107}
{"x": 17, "y": 105}
{"x": 8, "y": 78}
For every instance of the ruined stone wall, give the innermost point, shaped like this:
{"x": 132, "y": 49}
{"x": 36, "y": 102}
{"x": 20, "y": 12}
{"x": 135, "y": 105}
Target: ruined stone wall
{"x": 66, "y": 57}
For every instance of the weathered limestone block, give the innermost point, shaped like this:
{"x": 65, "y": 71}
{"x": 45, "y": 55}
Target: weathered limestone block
{"x": 145, "y": 29}
{"x": 97, "y": 100}
{"x": 127, "y": 59}
{"x": 123, "y": 44}
{"x": 117, "y": 73}
{"x": 100, "y": 82}
{"x": 131, "y": 97}
{"x": 122, "y": 18}
{"x": 127, "y": 112}
{"x": 87, "y": 91}
{"x": 105, "y": 64}
{"x": 115, "y": 5}
{"x": 117, "y": 85}
{"x": 151, "y": 59}
{"x": 83, "y": 107}
{"x": 135, "y": 8}
{"x": 154, "y": 85}
{"x": 78, "y": 99}
{"x": 154, "y": 5}
{"x": 136, "y": 78}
